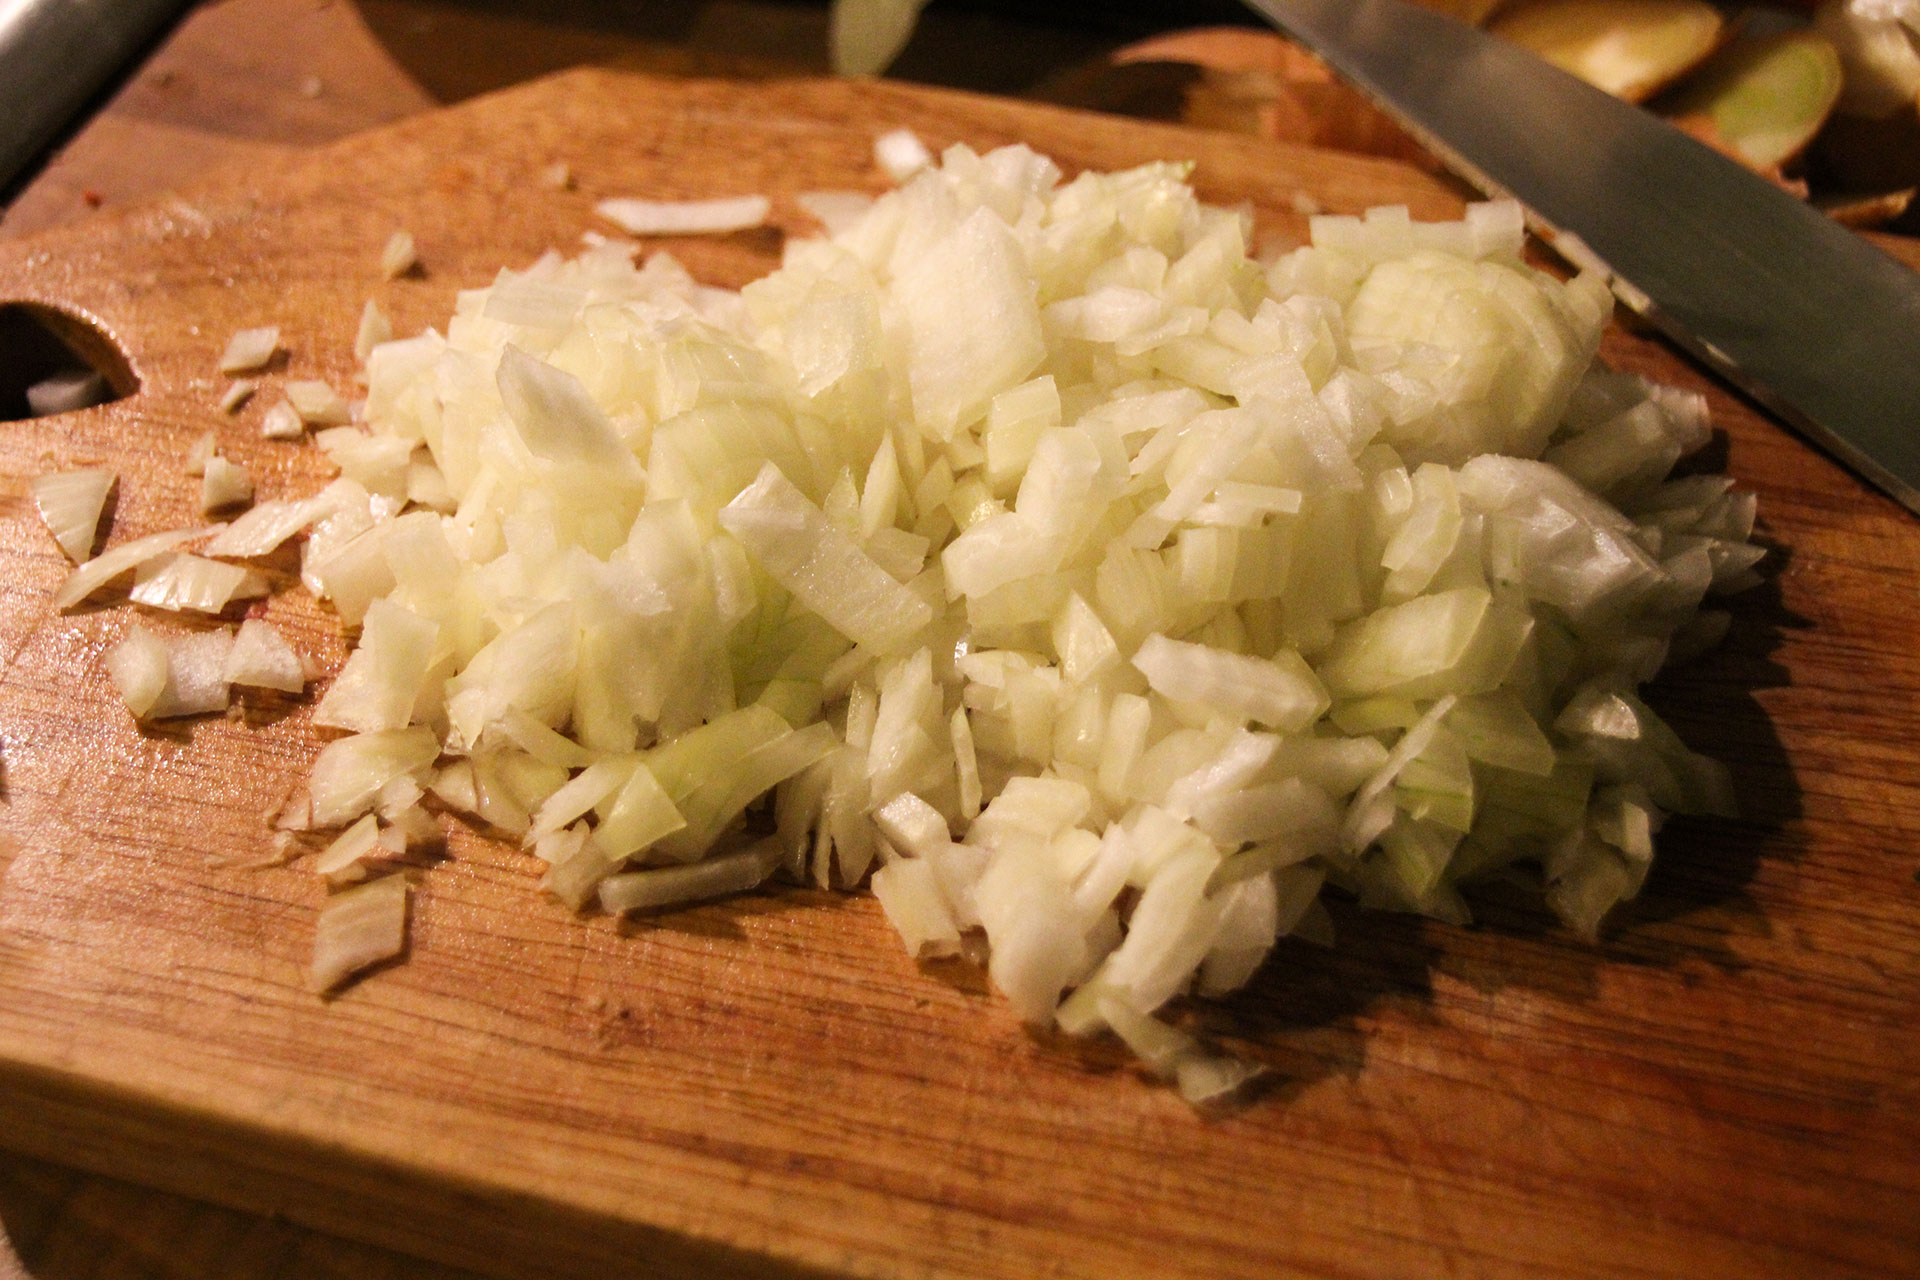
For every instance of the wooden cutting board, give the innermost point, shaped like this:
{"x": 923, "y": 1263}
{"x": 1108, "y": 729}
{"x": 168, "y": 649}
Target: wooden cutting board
{"x": 1725, "y": 1086}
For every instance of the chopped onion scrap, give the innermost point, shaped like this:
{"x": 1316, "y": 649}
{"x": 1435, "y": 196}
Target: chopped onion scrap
{"x": 317, "y": 403}
{"x": 282, "y": 422}
{"x": 238, "y": 392}
{"x": 358, "y": 928}
{"x": 399, "y": 255}
{"x": 250, "y": 349}
{"x": 261, "y": 658}
{"x": 179, "y": 580}
{"x": 70, "y": 502}
{"x": 1026, "y": 548}
{"x": 66, "y": 392}
{"x": 160, "y": 677}
{"x": 101, "y": 570}
{"x": 684, "y": 217}
{"x": 223, "y": 484}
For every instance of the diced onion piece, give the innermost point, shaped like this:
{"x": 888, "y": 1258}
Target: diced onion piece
{"x": 66, "y": 392}
{"x": 282, "y": 422}
{"x": 969, "y": 305}
{"x": 543, "y": 742}
{"x": 374, "y": 329}
{"x": 640, "y": 814}
{"x": 266, "y": 526}
{"x": 914, "y": 826}
{"x": 578, "y": 865}
{"x": 1456, "y": 639}
{"x": 70, "y": 502}
{"x": 238, "y": 392}
{"x": 684, "y": 217}
{"x": 910, "y": 894}
{"x": 192, "y": 671}
{"x": 826, "y": 570}
{"x": 138, "y": 665}
{"x": 900, "y": 154}
{"x": 222, "y": 484}
{"x": 358, "y": 928}
{"x": 348, "y": 775}
{"x": 714, "y": 878}
{"x": 203, "y": 448}
{"x": 317, "y": 403}
{"x": 1161, "y": 1047}
{"x": 261, "y": 658}
{"x": 250, "y": 349}
{"x": 399, "y": 255}
{"x": 1203, "y": 1078}
{"x": 587, "y": 789}
{"x": 1282, "y": 691}
{"x": 179, "y": 580}
{"x": 380, "y": 684}
{"x": 343, "y": 861}
{"x": 835, "y": 210}
{"x": 98, "y": 572}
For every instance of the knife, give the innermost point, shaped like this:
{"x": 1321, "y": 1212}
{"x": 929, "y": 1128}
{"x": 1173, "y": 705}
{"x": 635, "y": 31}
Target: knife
{"x": 1809, "y": 319}
{"x": 55, "y": 57}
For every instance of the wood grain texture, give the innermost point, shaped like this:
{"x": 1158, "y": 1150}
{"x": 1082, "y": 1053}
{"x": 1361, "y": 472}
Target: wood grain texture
{"x": 75, "y": 1226}
{"x": 767, "y": 1086}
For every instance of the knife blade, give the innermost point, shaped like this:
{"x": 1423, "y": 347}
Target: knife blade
{"x": 55, "y": 57}
{"x": 1809, "y": 319}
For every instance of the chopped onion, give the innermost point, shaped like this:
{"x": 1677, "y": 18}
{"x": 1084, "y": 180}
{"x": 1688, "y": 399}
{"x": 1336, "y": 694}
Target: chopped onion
{"x": 348, "y": 775}
{"x": 358, "y": 928}
{"x": 98, "y": 572}
{"x": 238, "y": 392}
{"x": 282, "y": 422}
{"x": 343, "y": 861}
{"x": 66, "y": 392}
{"x": 1281, "y": 691}
{"x": 374, "y": 329}
{"x": 267, "y": 525}
{"x": 179, "y": 580}
{"x": 381, "y": 681}
{"x": 1028, "y": 549}
{"x": 398, "y": 256}
{"x": 714, "y": 878}
{"x": 160, "y": 677}
{"x": 900, "y": 154}
{"x": 138, "y": 665}
{"x": 222, "y": 484}
{"x": 261, "y": 658}
{"x": 684, "y": 217}
{"x": 203, "y": 448}
{"x": 317, "y": 403}
{"x": 825, "y": 569}
{"x": 71, "y": 502}
{"x": 250, "y": 349}
{"x": 910, "y": 894}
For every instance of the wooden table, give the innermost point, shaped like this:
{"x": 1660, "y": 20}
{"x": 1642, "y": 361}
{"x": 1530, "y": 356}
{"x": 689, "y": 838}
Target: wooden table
{"x": 240, "y": 81}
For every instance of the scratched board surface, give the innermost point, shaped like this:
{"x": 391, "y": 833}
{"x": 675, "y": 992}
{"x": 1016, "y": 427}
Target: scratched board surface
{"x": 1724, "y": 1087}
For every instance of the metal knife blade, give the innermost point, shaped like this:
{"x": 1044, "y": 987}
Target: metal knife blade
{"x": 55, "y": 56}
{"x": 1805, "y": 316}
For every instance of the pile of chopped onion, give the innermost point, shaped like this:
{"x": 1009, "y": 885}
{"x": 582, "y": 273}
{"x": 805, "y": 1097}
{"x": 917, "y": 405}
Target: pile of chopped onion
{"x": 1028, "y": 550}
